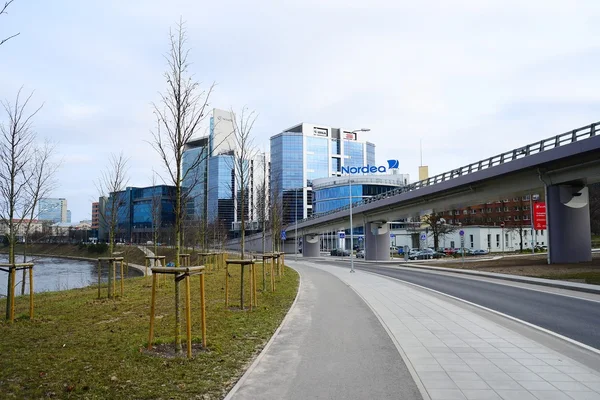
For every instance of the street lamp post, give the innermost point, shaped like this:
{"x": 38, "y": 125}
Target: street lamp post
{"x": 350, "y": 196}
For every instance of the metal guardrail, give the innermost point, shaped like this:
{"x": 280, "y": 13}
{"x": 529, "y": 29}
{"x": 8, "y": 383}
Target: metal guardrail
{"x": 573, "y": 136}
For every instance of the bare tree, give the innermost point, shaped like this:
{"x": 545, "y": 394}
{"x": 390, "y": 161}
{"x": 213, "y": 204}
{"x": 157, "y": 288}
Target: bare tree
{"x": 438, "y": 227}
{"x": 243, "y": 157}
{"x": 182, "y": 110}
{"x": 42, "y": 182}
{"x": 3, "y": 11}
{"x": 113, "y": 180}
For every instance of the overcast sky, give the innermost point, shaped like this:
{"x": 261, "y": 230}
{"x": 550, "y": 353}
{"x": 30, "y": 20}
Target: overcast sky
{"x": 469, "y": 78}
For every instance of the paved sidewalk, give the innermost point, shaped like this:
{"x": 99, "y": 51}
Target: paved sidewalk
{"x": 331, "y": 346}
{"x": 457, "y": 354}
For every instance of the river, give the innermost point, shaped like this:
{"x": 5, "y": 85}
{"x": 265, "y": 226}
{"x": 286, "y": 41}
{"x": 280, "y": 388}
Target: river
{"x": 52, "y": 274}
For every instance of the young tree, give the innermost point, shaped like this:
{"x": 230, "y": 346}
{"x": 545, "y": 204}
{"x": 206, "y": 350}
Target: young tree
{"x": 243, "y": 157}
{"x": 42, "y": 182}
{"x": 438, "y": 227}
{"x": 112, "y": 181}
{"x": 182, "y": 110}
{"x": 19, "y": 167}
{"x": 3, "y": 11}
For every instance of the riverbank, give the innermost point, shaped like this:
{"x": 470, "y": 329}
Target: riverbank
{"x": 82, "y": 347}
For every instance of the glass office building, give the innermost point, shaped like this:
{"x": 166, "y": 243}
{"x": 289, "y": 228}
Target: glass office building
{"x": 140, "y": 210}
{"x": 54, "y": 210}
{"x": 332, "y": 193}
{"x": 307, "y": 152}
{"x": 212, "y": 178}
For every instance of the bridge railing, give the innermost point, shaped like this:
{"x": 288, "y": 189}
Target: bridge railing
{"x": 573, "y": 136}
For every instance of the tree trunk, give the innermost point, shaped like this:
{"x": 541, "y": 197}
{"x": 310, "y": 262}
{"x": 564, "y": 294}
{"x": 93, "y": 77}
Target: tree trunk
{"x": 177, "y": 253}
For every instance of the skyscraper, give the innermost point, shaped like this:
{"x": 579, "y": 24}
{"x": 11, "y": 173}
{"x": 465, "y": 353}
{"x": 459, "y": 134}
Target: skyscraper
{"x": 213, "y": 180}
{"x": 306, "y": 152}
{"x": 52, "y": 209}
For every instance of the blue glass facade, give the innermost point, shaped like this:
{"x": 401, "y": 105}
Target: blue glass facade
{"x": 139, "y": 209}
{"x": 370, "y": 153}
{"x": 220, "y": 189}
{"x": 52, "y": 210}
{"x": 317, "y": 158}
{"x": 354, "y": 155}
{"x": 331, "y": 198}
{"x": 195, "y": 178}
{"x": 287, "y": 167}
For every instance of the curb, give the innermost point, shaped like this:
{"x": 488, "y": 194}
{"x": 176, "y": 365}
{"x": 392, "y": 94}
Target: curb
{"x": 243, "y": 378}
{"x": 580, "y": 287}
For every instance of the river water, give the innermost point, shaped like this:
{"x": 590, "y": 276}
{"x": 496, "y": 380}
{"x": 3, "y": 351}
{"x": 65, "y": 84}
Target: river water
{"x": 52, "y": 274}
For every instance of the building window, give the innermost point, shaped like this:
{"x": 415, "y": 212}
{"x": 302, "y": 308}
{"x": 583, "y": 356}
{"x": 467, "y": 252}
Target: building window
{"x": 515, "y": 199}
{"x": 525, "y": 217}
{"x": 498, "y": 209}
{"x": 456, "y": 212}
{"x": 489, "y": 241}
{"x": 465, "y": 212}
{"x": 489, "y": 210}
{"x": 506, "y": 201}
{"x": 505, "y": 209}
{"x": 497, "y": 241}
{"x": 508, "y": 218}
{"x": 517, "y": 208}
{"x": 473, "y": 211}
{"x": 489, "y": 220}
{"x": 452, "y": 244}
{"x": 526, "y": 198}
{"x": 471, "y": 240}
{"x": 517, "y": 218}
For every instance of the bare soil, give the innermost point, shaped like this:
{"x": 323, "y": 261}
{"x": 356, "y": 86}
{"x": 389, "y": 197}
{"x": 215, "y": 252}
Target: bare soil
{"x": 532, "y": 265}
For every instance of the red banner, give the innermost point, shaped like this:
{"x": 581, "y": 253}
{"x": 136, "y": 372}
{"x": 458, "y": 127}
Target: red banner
{"x": 539, "y": 215}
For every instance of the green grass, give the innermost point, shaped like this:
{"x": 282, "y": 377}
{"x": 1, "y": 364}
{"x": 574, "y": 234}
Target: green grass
{"x": 591, "y": 277}
{"x": 82, "y": 347}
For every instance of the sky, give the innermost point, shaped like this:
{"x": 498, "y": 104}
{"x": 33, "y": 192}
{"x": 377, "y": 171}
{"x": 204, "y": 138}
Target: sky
{"x": 468, "y": 78}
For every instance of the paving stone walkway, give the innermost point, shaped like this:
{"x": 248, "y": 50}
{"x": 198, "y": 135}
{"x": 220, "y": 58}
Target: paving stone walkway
{"x": 454, "y": 353}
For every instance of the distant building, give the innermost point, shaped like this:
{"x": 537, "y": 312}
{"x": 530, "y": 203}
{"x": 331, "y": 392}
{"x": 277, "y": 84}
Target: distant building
{"x": 306, "y": 152}
{"x": 95, "y": 215}
{"x": 52, "y": 209}
{"x": 69, "y": 216}
{"x": 213, "y": 177}
{"x": 140, "y": 210}
{"x": 34, "y": 227}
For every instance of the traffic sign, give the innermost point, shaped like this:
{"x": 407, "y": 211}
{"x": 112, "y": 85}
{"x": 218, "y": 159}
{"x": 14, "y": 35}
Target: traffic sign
{"x": 502, "y": 225}
{"x": 360, "y": 239}
{"x": 342, "y": 235}
{"x": 283, "y": 235}
{"x": 392, "y": 235}
{"x": 461, "y": 233}
{"x": 423, "y": 236}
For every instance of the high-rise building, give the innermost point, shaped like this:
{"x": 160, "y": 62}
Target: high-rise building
{"x": 214, "y": 180}
{"x": 306, "y": 152}
{"x": 69, "y": 216}
{"x": 52, "y": 209}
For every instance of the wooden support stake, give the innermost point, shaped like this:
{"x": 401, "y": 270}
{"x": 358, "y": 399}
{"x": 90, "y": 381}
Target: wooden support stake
{"x": 188, "y": 316}
{"x": 13, "y": 273}
{"x": 146, "y": 264}
{"x": 251, "y": 286}
{"x": 99, "y": 270}
{"x": 114, "y": 271}
{"x": 264, "y": 270}
{"x": 226, "y": 286}
{"x": 254, "y": 286}
{"x": 30, "y": 293}
{"x": 203, "y": 310}
{"x": 242, "y": 287}
{"x": 272, "y": 274}
{"x": 152, "y": 304}
{"x": 121, "y": 262}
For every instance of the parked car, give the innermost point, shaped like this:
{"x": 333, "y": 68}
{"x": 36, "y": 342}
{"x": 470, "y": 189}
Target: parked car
{"x": 360, "y": 254}
{"x": 339, "y": 252}
{"x": 479, "y": 252}
{"x": 425, "y": 254}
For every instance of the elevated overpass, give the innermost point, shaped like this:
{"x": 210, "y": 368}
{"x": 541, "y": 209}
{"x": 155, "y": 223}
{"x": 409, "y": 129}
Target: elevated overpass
{"x": 564, "y": 165}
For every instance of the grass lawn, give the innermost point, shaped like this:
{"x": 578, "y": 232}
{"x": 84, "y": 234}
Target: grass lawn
{"x": 82, "y": 347}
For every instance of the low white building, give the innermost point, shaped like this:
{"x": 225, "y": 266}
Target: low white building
{"x": 36, "y": 226}
{"x": 492, "y": 238}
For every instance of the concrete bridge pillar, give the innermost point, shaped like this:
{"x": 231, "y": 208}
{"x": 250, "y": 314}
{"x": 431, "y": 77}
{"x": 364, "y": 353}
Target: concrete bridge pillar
{"x": 377, "y": 241}
{"x": 568, "y": 220}
{"x": 310, "y": 245}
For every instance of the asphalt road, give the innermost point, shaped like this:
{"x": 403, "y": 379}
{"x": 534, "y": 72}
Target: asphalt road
{"x": 577, "y": 319}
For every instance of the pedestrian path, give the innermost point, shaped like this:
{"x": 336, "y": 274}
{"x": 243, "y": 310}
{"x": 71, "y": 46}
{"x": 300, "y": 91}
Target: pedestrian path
{"x": 454, "y": 353}
{"x": 330, "y": 346}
